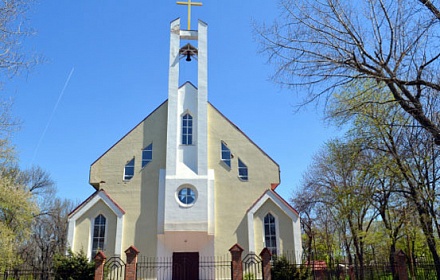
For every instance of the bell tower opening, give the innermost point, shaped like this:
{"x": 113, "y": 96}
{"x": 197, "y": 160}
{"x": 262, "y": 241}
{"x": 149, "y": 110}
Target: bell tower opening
{"x": 188, "y": 62}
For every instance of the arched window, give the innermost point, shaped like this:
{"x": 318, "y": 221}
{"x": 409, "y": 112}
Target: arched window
{"x": 98, "y": 234}
{"x": 270, "y": 233}
{"x": 187, "y": 129}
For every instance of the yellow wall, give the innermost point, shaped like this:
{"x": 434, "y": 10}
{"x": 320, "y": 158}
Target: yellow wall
{"x": 138, "y": 197}
{"x": 83, "y": 231}
{"x": 234, "y": 197}
{"x": 284, "y": 228}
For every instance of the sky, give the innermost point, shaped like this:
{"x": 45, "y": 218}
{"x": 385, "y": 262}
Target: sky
{"x": 105, "y": 69}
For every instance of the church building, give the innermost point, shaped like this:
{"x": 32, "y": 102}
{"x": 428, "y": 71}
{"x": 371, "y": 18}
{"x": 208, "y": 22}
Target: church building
{"x": 185, "y": 180}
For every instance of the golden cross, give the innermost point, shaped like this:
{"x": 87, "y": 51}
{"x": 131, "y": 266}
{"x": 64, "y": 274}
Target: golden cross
{"x": 189, "y": 4}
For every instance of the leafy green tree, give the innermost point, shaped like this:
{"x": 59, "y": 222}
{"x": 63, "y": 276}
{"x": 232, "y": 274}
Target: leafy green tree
{"x": 18, "y": 203}
{"x": 17, "y": 209}
{"x": 406, "y": 161}
{"x": 33, "y": 223}
{"x": 338, "y": 183}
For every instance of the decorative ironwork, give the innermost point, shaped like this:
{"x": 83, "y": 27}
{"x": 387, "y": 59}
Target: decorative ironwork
{"x": 114, "y": 269}
{"x": 252, "y": 267}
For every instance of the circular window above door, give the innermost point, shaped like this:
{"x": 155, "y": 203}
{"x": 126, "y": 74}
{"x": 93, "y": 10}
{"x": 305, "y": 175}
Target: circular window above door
{"x": 186, "y": 195}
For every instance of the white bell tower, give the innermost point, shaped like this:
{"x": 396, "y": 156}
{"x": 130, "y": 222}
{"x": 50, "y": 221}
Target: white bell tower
{"x": 186, "y": 190}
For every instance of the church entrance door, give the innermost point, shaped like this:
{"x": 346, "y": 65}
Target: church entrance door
{"x": 186, "y": 266}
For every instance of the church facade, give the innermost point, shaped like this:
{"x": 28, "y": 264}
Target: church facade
{"x": 185, "y": 179}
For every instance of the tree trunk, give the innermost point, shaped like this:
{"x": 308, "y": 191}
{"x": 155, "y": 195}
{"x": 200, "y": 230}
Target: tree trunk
{"x": 427, "y": 229}
{"x": 392, "y": 260}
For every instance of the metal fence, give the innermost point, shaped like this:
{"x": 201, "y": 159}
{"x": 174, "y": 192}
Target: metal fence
{"x": 162, "y": 268}
{"x": 27, "y": 274}
{"x": 374, "y": 271}
{"x": 220, "y": 268}
{"x": 154, "y": 268}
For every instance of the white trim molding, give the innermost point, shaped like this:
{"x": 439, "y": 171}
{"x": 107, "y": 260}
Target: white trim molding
{"x": 290, "y": 212}
{"x": 100, "y": 195}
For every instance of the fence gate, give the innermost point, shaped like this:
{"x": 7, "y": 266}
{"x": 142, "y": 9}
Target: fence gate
{"x": 168, "y": 268}
{"x": 252, "y": 267}
{"x": 114, "y": 269}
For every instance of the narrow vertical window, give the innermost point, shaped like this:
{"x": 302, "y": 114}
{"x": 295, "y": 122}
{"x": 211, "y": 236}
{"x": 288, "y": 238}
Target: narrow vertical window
{"x": 98, "y": 234}
{"x": 226, "y": 155}
{"x": 129, "y": 170}
{"x": 147, "y": 155}
{"x": 270, "y": 234}
{"x": 187, "y": 129}
{"x": 242, "y": 171}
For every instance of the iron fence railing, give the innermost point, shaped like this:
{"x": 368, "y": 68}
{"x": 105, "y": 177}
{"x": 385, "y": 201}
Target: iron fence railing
{"x": 220, "y": 268}
{"x": 27, "y": 274}
{"x": 162, "y": 268}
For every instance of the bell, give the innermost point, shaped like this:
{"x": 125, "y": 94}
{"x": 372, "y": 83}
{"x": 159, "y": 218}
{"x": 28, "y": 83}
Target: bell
{"x": 188, "y": 56}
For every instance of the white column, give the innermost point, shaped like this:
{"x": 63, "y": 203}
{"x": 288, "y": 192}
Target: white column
{"x": 173, "y": 86}
{"x": 202, "y": 100}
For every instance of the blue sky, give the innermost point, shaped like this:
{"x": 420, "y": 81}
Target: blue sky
{"x": 106, "y": 68}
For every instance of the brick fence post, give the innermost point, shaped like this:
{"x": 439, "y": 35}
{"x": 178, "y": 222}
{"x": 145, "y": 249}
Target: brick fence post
{"x": 267, "y": 267}
{"x": 237, "y": 265}
{"x": 130, "y": 267}
{"x": 99, "y": 265}
{"x": 351, "y": 273}
{"x": 400, "y": 261}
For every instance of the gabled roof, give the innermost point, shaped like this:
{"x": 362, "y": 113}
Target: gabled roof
{"x": 129, "y": 132}
{"x": 188, "y": 82}
{"x": 244, "y": 134}
{"x": 272, "y": 195}
{"x": 92, "y": 199}
{"x": 234, "y": 125}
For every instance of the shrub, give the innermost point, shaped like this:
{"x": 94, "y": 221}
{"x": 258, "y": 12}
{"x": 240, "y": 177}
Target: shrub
{"x": 249, "y": 276}
{"x": 73, "y": 267}
{"x": 282, "y": 269}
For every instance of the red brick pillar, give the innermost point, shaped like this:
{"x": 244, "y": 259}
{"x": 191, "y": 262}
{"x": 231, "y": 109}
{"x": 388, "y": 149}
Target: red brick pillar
{"x": 267, "y": 267}
{"x": 351, "y": 273}
{"x": 237, "y": 265}
{"x": 130, "y": 267}
{"x": 401, "y": 268}
{"x": 99, "y": 265}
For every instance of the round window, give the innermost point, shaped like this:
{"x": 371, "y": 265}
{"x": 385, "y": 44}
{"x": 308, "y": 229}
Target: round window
{"x": 186, "y": 195}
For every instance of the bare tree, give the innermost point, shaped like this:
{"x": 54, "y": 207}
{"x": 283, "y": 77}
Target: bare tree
{"x": 49, "y": 237}
{"x": 40, "y": 184}
{"x": 13, "y": 31}
{"x": 327, "y": 45}
{"x": 431, "y": 7}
